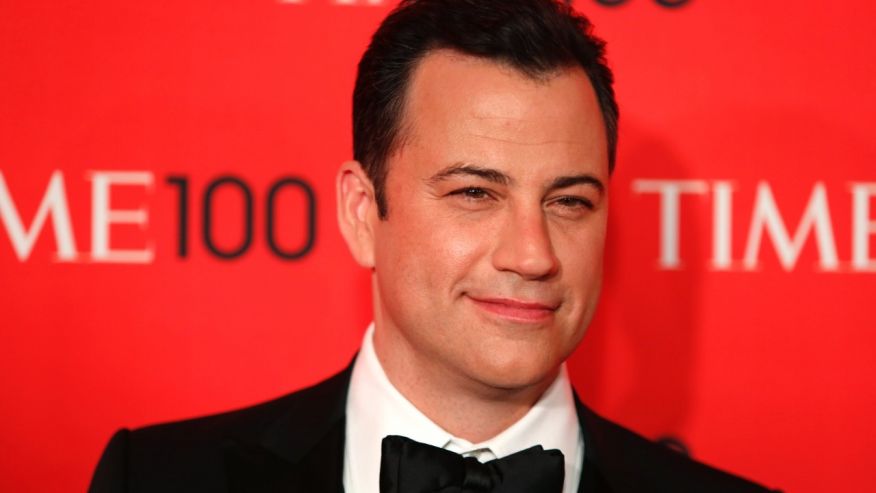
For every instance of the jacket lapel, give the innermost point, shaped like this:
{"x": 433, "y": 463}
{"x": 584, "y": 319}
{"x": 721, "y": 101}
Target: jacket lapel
{"x": 593, "y": 479}
{"x": 301, "y": 450}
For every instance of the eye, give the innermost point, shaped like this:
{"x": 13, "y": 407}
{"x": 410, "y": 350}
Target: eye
{"x": 472, "y": 193}
{"x": 572, "y": 202}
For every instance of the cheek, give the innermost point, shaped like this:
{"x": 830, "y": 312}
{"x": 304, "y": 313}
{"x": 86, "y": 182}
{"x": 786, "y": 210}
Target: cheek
{"x": 425, "y": 251}
{"x": 581, "y": 256}
{"x": 456, "y": 248}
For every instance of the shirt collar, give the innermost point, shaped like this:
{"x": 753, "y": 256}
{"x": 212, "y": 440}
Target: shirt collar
{"x": 376, "y": 409}
{"x": 375, "y": 402}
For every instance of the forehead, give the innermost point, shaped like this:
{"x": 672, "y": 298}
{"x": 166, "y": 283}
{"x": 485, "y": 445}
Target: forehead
{"x": 458, "y": 105}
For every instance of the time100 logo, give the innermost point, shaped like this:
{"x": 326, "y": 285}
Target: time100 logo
{"x": 55, "y": 207}
{"x": 665, "y": 3}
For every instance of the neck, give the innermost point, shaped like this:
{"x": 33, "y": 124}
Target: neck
{"x": 464, "y": 407}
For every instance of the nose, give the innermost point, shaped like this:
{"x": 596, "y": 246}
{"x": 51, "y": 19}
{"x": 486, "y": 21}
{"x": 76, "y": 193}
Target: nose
{"x": 524, "y": 246}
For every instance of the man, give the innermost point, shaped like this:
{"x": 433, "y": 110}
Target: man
{"x": 484, "y": 137}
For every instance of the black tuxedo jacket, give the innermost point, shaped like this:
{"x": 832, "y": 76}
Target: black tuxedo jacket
{"x": 295, "y": 444}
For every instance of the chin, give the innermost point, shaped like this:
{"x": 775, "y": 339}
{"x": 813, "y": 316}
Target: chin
{"x": 516, "y": 373}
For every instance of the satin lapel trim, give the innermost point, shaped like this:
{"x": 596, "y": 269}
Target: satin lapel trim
{"x": 255, "y": 469}
{"x": 302, "y": 450}
{"x": 592, "y": 477}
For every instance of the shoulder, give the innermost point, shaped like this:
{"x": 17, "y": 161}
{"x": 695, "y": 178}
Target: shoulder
{"x": 628, "y": 462}
{"x": 249, "y": 423}
{"x": 190, "y": 454}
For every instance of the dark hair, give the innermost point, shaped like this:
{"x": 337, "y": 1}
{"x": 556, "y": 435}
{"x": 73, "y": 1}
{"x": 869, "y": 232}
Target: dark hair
{"x": 536, "y": 37}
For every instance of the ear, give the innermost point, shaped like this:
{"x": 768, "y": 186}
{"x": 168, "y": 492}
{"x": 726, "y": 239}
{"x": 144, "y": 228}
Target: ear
{"x": 357, "y": 211}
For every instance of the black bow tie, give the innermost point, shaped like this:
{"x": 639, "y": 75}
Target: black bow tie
{"x": 407, "y": 466}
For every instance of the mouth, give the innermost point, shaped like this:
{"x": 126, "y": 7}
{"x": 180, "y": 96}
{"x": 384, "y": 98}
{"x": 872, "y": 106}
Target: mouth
{"x": 520, "y": 311}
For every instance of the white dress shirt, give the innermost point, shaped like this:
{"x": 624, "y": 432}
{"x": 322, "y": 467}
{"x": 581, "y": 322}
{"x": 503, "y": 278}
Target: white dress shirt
{"x": 376, "y": 409}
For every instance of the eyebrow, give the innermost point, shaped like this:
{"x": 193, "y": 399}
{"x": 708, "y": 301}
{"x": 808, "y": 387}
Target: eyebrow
{"x": 498, "y": 177}
{"x": 569, "y": 181}
{"x": 465, "y": 169}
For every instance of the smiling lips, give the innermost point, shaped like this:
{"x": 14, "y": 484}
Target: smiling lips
{"x": 515, "y": 310}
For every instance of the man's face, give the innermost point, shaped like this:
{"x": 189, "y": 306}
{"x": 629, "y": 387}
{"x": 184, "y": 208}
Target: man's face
{"x": 489, "y": 263}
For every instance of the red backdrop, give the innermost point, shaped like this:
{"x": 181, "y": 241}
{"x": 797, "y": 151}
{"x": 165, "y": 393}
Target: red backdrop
{"x": 738, "y": 309}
